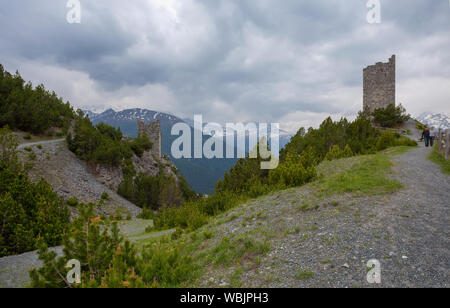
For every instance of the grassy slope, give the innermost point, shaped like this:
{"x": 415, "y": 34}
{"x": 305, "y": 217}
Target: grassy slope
{"x": 235, "y": 242}
{"x": 437, "y": 158}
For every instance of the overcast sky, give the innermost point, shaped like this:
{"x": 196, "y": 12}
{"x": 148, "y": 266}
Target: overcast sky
{"x": 290, "y": 61}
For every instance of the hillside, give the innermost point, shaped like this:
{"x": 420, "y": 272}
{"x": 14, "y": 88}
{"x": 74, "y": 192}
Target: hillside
{"x": 201, "y": 174}
{"x": 71, "y": 177}
{"x": 323, "y": 234}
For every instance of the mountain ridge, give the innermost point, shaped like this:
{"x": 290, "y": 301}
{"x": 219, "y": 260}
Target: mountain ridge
{"x": 438, "y": 120}
{"x": 201, "y": 174}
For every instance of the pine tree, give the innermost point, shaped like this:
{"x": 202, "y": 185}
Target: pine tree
{"x": 93, "y": 245}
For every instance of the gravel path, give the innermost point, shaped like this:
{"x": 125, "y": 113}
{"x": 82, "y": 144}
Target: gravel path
{"x": 421, "y": 229}
{"x": 31, "y": 144}
{"x": 407, "y": 232}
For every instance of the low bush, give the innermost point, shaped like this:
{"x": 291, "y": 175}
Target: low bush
{"x": 292, "y": 173}
{"x": 391, "y": 139}
{"x": 29, "y": 211}
{"x": 32, "y": 156}
{"x": 151, "y": 192}
{"x": 337, "y": 153}
{"x": 390, "y": 116}
{"x": 72, "y": 201}
{"x": 104, "y": 196}
{"x": 188, "y": 216}
{"x": 109, "y": 261}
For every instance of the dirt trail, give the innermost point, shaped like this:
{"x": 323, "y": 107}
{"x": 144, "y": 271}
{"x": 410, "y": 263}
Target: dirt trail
{"x": 31, "y": 144}
{"x": 420, "y": 222}
{"x": 407, "y": 231}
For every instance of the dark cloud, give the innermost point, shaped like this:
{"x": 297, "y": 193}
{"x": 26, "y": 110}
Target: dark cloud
{"x": 253, "y": 59}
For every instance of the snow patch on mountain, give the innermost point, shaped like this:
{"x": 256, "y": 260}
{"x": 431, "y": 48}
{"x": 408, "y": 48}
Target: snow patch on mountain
{"x": 438, "y": 120}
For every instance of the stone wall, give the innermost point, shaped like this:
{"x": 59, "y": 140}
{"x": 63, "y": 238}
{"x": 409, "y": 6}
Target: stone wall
{"x": 379, "y": 85}
{"x": 444, "y": 143}
{"x": 153, "y": 131}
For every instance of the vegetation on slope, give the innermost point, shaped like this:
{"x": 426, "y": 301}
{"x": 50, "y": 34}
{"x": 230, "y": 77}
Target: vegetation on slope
{"x": 367, "y": 176}
{"x": 179, "y": 260}
{"x": 298, "y": 161}
{"x": 391, "y": 116}
{"x": 104, "y": 144}
{"x": 39, "y": 111}
{"x": 28, "y": 211}
{"x": 34, "y": 110}
{"x": 108, "y": 260}
{"x": 439, "y": 159}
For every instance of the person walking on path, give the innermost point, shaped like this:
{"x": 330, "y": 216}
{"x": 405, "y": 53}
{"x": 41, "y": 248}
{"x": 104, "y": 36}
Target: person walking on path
{"x": 433, "y": 134}
{"x": 426, "y": 136}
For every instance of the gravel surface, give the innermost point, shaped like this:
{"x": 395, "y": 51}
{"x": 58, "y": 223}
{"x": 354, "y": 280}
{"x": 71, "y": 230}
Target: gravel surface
{"x": 31, "y": 144}
{"x": 406, "y": 231}
{"x": 330, "y": 244}
{"x": 69, "y": 176}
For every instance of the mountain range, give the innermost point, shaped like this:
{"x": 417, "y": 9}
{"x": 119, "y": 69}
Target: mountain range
{"x": 438, "y": 120}
{"x": 201, "y": 174}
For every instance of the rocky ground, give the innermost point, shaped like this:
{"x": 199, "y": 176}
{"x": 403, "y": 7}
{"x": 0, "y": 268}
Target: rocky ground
{"x": 69, "y": 176}
{"x": 304, "y": 237}
{"x": 321, "y": 240}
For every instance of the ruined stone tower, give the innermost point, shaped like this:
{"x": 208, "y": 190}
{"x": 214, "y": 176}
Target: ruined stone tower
{"x": 153, "y": 131}
{"x": 379, "y": 85}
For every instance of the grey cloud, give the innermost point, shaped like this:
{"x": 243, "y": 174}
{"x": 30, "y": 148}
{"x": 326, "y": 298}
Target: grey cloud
{"x": 264, "y": 58}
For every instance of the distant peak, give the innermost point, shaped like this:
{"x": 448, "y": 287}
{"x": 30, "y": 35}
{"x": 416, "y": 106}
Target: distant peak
{"x": 110, "y": 110}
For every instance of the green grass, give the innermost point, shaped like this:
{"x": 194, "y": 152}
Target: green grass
{"x": 369, "y": 175}
{"x": 305, "y": 275}
{"x": 399, "y": 150}
{"x": 32, "y": 156}
{"x": 211, "y": 250}
{"x": 437, "y": 158}
{"x": 241, "y": 249}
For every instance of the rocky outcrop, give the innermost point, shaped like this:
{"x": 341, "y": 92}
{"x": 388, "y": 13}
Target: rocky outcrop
{"x": 148, "y": 164}
{"x": 152, "y": 163}
{"x": 72, "y": 177}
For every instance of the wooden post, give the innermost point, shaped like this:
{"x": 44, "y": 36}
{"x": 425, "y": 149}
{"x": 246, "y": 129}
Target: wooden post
{"x": 447, "y": 144}
{"x": 441, "y": 141}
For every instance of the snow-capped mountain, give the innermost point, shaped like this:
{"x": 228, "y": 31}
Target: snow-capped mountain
{"x": 133, "y": 115}
{"x": 201, "y": 174}
{"x": 284, "y": 136}
{"x": 437, "y": 120}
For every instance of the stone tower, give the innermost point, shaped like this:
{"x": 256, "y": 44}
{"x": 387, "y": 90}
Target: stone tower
{"x": 153, "y": 131}
{"x": 379, "y": 85}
